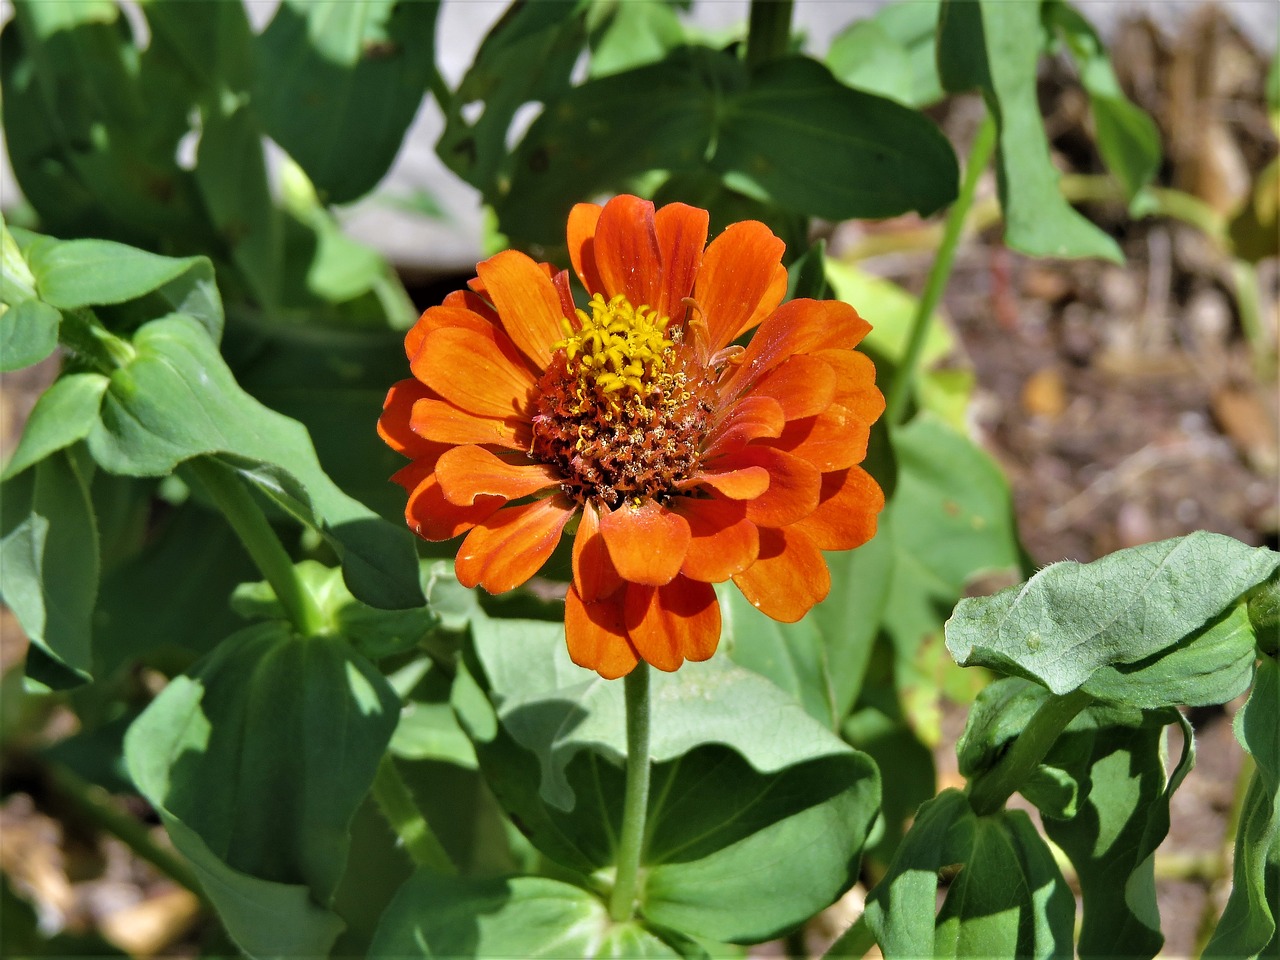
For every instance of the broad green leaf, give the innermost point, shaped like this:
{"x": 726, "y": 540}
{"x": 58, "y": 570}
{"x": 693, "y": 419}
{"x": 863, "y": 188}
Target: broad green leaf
{"x": 434, "y": 916}
{"x": 757, "y": 813}
{"x": 995, "y": 46}
{"x": 339, "y": 83}
{"x": 805, "y": 141}
{"x": 1250, "y": 924}
{"x": 900, "y": 908}
{"x": 257, "y": 760}
{"x": 1112, "y": 838}
{"x": 28, "y": 333}
{"x": 83, "y": 273}
{"x": 1009, "y": 899}
{"x": 16, "y": 280}
{"x": 64, "y": 414}
{"x": 633, "y": 35}
{"x": 1070, "y": 620}
{"x": 211, "y": 41}
{"x": 152, "y": 420}
{"x": 660, "y": 116}
{"x": 909, "y": 31}
{"x": 49, "y": 559}
{"x": 428, "y": 728}
{"x": 1127, "y": 137}
{"x": 375, "y": 633}
{"x": 527, "y": 56}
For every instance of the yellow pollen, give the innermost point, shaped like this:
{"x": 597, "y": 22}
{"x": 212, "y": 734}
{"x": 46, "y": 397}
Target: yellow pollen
{"x": 616, "y": 346}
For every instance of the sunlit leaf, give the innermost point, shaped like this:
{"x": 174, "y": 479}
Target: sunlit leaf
{"x": 64, "y": 414}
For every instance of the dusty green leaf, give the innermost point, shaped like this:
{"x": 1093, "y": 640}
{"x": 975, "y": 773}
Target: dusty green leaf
{"x": 64, "y": 414}
{"x": 28, "y": 333}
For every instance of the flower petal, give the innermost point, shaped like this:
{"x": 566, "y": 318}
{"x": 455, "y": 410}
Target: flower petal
{"x": 626, "y": 250}
{"x": 509, "y": 547}
{"x": 682, "y": 233}
{"x": 581, "y": 233}
{"x": 789, "y": 576}
{"x": 833, "y": 440}
{"x": 438, "y": 420}
{"x": 804, "y": 386}
{"x": 846, "y": 515}
{"x": 469, "y": 471}
{"x": 393, "y": 424}
{"x": 855, "y": 381}
{"x": 431, "y": 516}
{"x": 470, "y": 300}
{"x": 527, "y": 303}
{"x": 673, "y": 623}
{"x": 480, "y": 374}
{"x": 798, "y": 326}
{"x": 744, "y": 483}
{"x": 752, "y": 418}
{"x": 737, "y": 273}
{"x": 594, "y": 575}
{"x": 724, "y": 541}
{"x": 597, "y": 636}
{"x": 438, "y": 318}
{"x": 646, "y": 543}
{"x": 794, "y": 485}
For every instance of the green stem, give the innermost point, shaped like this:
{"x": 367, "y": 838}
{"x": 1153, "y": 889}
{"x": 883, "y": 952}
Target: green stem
{"x": 236, "y": 504}
{"x": 768, "y": 31}
{"x": 854, "y": 942}
{"x": 94, "y": 804}
{"x": 635, "y": 801}
{"x": 82, "y": 334}
{"x": 1246, "y": 281}
{"x": 396, "y": 803}
{"x": 983, "y": 145}
{"x": 989, "y": 791}
{"x": 1209, "y": 916}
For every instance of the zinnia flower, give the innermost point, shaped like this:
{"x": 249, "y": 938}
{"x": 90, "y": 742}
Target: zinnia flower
{"x": 681, "y": 459}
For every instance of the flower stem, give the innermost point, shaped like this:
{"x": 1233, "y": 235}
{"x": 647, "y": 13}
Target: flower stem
{"x": 236, "y": 504}
{"x": 768, "y": 31}
{"x": 854, "y": 942}
{"x": 983, "y": 145}
{"x": 393, "y": 798}
{"x": 636, "y": 799}
{"x": 989, "y": 791}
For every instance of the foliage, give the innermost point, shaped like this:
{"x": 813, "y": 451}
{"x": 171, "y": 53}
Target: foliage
{"x": 199, "y": 498}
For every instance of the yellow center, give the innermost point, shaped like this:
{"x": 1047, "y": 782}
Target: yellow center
{"x": 616, "y": 346}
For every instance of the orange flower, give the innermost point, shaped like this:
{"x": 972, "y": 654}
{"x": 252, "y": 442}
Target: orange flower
{"x": 686, "y": 460}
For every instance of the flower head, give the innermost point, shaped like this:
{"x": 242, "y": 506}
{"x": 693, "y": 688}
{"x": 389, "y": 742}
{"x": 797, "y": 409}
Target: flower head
{"x": 681, "y": 459}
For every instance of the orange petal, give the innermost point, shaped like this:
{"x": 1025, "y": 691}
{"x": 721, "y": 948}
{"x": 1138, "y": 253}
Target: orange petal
{"x": 480, "y": 374}
{"x": 789, "y": 576}
{"x": 745, "y": 483}
{"x": 752, "y": 418}
{"x": 847, "y": 511}
{"x": 438, "y": 318}
{"x": 438, "y": 420}
{"x": 773, "y": 295}
{"x": 393, "y": 425}
{"x": 673, "y": 623}
{"x": 737, "y": 272}
{"x": 581, "y": 233}
{"x": 724, "y": 541}
{"x": 793, "y": 489}
{"x": 508, "y": 548}
{"x": 626, "y": 249}
{"x": 432, "y": 517}
{"x": 804, "y": 386}
{"x": 469, "y": 471}
{"x": 594, "y": 575}
{"x": 798, "y": 326}
{"x": 527, "y": 303}
{"x": 833, "y": 440}
{"x": 855, "y": 377}
{"x": 470, "y": 300}
{"x": 597, "y": 635}
{"x": 646, "y": 543}
{"x": 560, "y": 280}
{"x": 682, "y": 233}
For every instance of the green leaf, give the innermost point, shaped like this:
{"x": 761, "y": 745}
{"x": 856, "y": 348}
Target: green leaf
{"x": 1009, "y": 899}
{"x": 807, "y": 142}
{"x": 635, "y": 34}
{"x": 49, "y": 559}
{"x": 757, "y": 813}
{"x": 527, "y": 56}
{"x": 995, "y": 46}
{"x": 375, "y": 633}
{"x": 257, "y": 761}
{"x": 28, "y": 334}
{"x": 435, "y": 916}
{"x": 211, "y": 41}
{"x": 153, "y": 418}
{"x": 1070, "y": 620}
{"x": 83, "y": 273}
{"x": 1251, "y": 919}
{"x": 1127, "y": 137}
{"x": 64, "y": 414}
{"x": 891, "y": 53}
{"x": 338, "y": 85}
